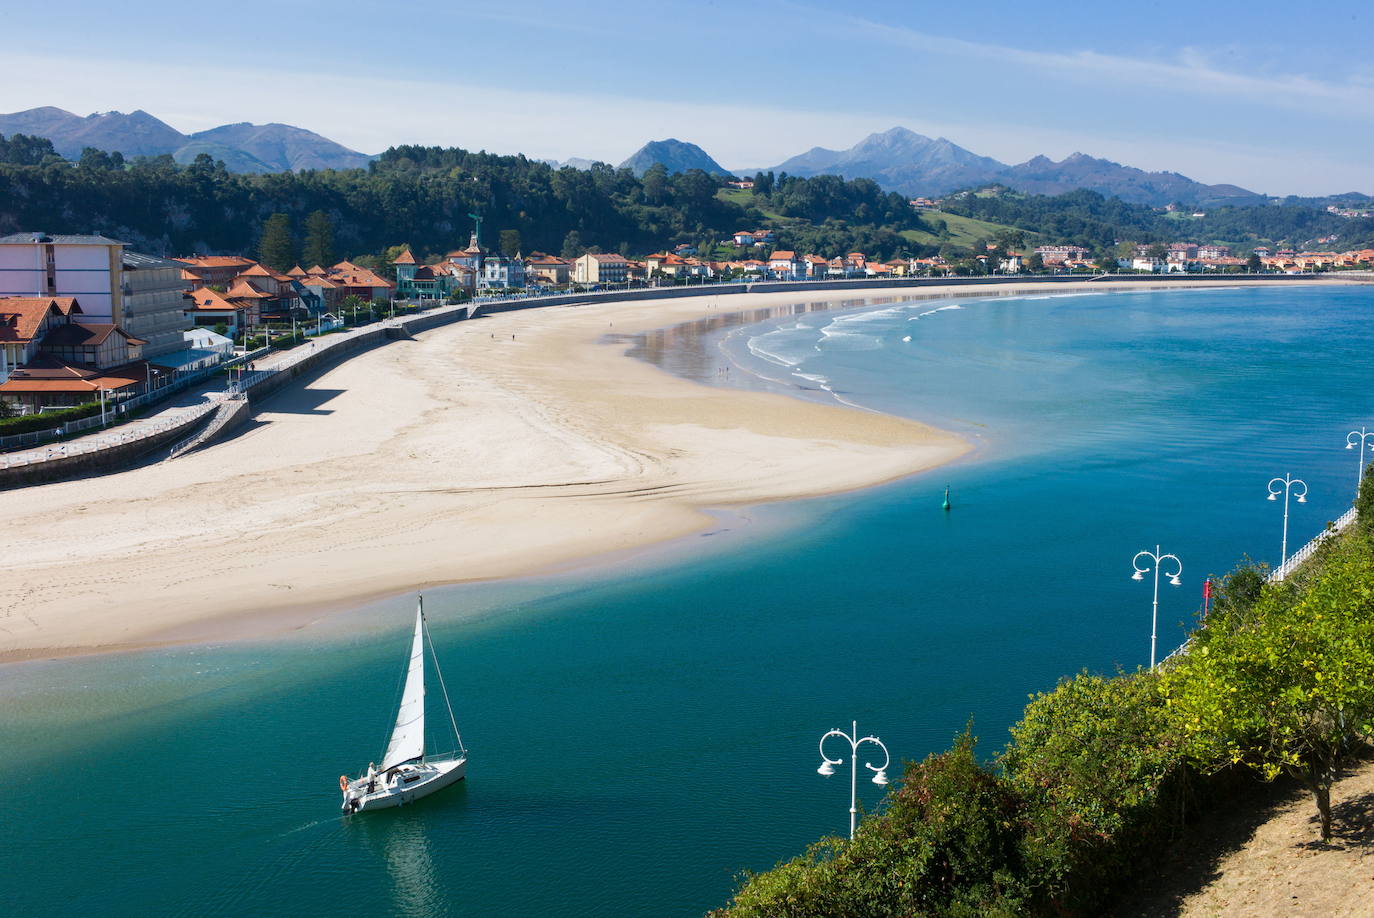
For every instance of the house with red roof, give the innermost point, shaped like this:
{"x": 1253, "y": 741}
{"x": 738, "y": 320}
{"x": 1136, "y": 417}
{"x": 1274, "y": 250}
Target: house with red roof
{"x": 213, "y": 270}
{"x": 74, "y": 362}
{"x": 784, "y": 264}
{"x": 24, "y": 321}
{"x": 208, "y": 308}
{"x": 601, "y": 268}
{"x": 361, "y": 282}
{"x": 548, "y": 269}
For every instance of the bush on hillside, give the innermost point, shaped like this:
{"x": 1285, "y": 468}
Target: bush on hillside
{"x": 945, "y": 846}
{"x": 1364, "y": 502}
{"x": 1288, "y": 686}
{"x": 1101, "y": 774}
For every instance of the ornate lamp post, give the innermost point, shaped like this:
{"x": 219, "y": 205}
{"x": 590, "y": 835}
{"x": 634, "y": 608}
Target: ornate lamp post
{"x": 855, "y": 741}
{"x": 1361, "y": 437}
{"x": 1285, "y": 486}
{"x": 1140, "y": 573}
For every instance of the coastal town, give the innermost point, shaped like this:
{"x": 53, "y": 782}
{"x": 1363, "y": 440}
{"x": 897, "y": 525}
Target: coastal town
{"x": 83, "y": 319}
{"x": 784, "y": 462}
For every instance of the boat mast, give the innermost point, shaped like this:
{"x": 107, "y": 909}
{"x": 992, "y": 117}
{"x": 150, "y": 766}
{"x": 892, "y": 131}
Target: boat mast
{"x": 438, "y": 672}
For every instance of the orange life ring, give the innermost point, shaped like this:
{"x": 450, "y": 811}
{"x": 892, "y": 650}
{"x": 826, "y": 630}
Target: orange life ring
{"x": 343, "y": 783}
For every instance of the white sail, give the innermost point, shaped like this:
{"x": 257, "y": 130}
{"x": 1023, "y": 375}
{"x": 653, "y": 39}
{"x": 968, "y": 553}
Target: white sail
{"x": 408, "y": 738}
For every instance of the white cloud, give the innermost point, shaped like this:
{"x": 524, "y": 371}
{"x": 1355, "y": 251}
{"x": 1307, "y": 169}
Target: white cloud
{"x": 1192, "y": 72}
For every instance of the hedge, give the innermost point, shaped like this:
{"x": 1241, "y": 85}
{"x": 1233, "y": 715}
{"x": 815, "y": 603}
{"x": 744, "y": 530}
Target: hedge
{"x": 48, "y": 420}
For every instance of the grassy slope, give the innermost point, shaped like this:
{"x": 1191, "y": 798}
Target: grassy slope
{"x": 962, "y": 230}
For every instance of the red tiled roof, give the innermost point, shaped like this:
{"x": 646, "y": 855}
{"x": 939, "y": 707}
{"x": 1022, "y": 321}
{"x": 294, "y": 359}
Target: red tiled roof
{"x": 212, "y": 300}
{"x": 242, "y": 290}
{"x": 21, "y": 317}
{"x": 405, "y": 258}
{"x": 215, "y": 261}
{"x": 46, "y": 373}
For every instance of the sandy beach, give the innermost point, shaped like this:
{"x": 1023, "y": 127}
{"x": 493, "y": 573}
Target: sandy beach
{"x": 491, "y": 448}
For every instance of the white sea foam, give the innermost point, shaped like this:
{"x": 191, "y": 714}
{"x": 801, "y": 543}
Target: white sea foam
{"x": 763, "y": 351}
{"x": 931, "y": 312}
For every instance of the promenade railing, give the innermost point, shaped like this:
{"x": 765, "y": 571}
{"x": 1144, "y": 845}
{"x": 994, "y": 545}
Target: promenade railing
{"x": 1295, "y": 560}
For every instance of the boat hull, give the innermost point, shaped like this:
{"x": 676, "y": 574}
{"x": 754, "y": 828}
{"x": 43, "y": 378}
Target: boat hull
{"x": 402, "y": 785}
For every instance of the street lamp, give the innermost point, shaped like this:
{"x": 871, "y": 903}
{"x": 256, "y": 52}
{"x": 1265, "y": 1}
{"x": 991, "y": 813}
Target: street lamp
{"x": 828, "y": 765}
{"x": 1360, "y": 436}
{"x": 1140, "y": 573}
{"x": 1287, "y": 482}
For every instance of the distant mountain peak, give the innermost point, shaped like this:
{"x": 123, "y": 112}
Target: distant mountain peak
{"x": 244, "y": 147}
{"x": 675, "y": 155}
{"x": 902, "y": 160}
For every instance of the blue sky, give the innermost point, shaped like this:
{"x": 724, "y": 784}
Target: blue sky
{"x": 1266, "y": 95}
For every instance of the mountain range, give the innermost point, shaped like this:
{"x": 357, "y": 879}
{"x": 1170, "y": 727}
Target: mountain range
{"x": 243, "y": 147}
{"x": 899, "y": 159}
{"x": 675, "y": 155}
{"x": 913, "y": 164}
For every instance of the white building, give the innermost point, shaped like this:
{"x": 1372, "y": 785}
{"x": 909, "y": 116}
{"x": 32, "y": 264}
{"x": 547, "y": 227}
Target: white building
{"x": 89, "y": 268}
{"x": 600, "y": 268}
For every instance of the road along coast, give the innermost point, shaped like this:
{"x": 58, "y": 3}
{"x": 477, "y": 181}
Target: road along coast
{"x": 491, "y": 448}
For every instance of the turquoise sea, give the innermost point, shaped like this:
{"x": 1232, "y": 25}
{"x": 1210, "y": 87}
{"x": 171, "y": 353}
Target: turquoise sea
{"x": 643, "y": 730}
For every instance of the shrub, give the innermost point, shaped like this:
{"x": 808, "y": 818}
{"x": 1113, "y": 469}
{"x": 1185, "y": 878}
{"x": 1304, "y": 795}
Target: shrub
{"x": 945, "y": 846}
{"x": 1364, "y": 502}
{"x": 48, "y": 420}
{"x": 1289, "y": 686}
{"x": 1101, "y": 774}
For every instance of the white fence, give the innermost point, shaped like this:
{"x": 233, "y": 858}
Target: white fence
{"x": 114, "y": 438}
{"x": 1302, "y": 554}
{"x": 1294, "y": 561}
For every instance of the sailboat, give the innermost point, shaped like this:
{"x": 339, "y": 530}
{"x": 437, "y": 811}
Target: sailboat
{"x": 407, "y": 774}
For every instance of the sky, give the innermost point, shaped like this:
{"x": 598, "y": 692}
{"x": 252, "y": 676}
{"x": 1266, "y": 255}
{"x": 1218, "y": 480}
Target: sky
{"x": 1260, "y": 94}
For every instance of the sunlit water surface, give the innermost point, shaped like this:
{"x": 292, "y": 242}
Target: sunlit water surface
{"x": 643, "y": 731}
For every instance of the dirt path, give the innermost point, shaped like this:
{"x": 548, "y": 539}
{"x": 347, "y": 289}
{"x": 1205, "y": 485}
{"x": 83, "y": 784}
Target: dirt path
{"x": 1264, "y": 858}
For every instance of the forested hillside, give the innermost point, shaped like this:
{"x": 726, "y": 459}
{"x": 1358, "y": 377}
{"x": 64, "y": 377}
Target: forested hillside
{"x": 1087, "y": 218}
{"x": 420, "y": 196}
{"x": 423, "y": 196}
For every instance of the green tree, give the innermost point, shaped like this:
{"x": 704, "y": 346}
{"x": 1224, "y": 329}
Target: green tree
{"x": 510, "y": 242}
{"x": 1102, "y": 776}
{"x": 23, "y": 150}
{"x": 99, "y": 160}
{"x": 1158, "y": 251}
{"x": 1286, "y": 685}
{"x": 655, "y": 183}
{"x": 1253, "y": 262}
{"x": 1035, "y": 263}
{"x": 572, "y": 245}
{"x": 946, "y": 846}
{"x": 319, "y": 240}
{"x": 276, "y": 249}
